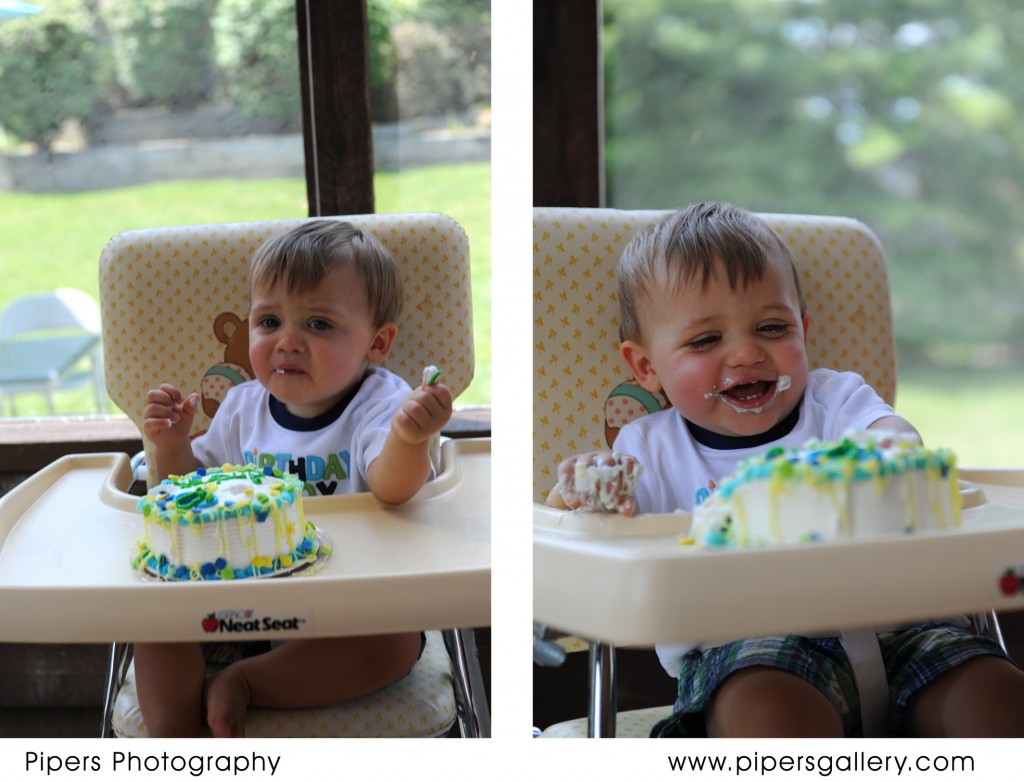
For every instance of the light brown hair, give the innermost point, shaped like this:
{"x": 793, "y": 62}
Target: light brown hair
{"x": 686, "y": 246}
{"x": 303, "y": 256}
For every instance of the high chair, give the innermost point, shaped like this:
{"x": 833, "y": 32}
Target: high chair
{"x": 175, "y": 305}
{"x": 583, "y": 394}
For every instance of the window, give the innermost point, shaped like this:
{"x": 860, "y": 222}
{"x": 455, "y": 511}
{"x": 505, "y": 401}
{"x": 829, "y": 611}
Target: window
{"x": 901, "y": 114}
{"x": 183, "y": 111}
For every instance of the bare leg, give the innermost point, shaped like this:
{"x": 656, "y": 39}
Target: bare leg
{"x": 307, "y": 673}
{"x": 169, "y": 678}
{"x": 983, "y": 698}
{"x": 763, "y": 702}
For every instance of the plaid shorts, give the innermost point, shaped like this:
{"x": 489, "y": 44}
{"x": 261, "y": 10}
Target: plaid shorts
{"x": 912, "y": 657}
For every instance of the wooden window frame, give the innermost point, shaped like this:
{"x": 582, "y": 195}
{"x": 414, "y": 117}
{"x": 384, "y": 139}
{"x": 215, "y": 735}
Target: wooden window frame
{"x": 568, "y": 104}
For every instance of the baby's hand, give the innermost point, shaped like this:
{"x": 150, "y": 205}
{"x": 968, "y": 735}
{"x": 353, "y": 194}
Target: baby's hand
{"x": 599, "y": 481}
{"x": 167, "y": 417}
{"x": 423, "y": 414}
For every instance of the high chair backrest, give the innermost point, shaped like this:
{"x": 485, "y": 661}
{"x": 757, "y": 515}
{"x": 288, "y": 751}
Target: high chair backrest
{"x": 175, "y": 303}
{"x": 583, "y": 392}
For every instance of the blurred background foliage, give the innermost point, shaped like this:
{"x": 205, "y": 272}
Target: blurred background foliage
{"x": 904, "y": 114}
{"x": 428, "y": 59}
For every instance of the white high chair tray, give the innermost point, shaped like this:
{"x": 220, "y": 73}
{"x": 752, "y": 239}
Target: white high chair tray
{"x": 630, "y": 581}
{"x": 67, "y": 532}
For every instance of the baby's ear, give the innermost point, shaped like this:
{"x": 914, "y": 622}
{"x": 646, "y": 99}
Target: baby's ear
{"x": 636, "y": 358}
{"x": 382, "y": 342}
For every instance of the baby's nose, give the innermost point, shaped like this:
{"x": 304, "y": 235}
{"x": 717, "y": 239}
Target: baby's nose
{"x": 745, "y": 352}
{"x": 290, "y": 341}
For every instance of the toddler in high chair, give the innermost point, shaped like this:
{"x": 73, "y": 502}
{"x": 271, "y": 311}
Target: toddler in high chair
{"x": 324, "y": 298}
{"x": 712, "y": 314}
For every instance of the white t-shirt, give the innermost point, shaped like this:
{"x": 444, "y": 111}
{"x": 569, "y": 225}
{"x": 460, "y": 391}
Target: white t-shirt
{"x": 330, "y": 453}
{"x": 680, "y": 472}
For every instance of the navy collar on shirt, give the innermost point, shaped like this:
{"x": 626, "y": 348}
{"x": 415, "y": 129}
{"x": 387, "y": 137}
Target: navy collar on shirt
{"x": 297, "y": 423}
{"x": 724, "y": 442}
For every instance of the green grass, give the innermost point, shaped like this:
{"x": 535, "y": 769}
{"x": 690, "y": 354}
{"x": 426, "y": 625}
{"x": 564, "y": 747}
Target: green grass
{"x": 976, "y": 412}
{"x": 53, "y": 240}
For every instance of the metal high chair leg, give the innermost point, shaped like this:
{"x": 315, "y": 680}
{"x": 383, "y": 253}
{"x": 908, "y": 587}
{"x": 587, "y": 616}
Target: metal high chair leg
{"x": 603, "y": 697}
{"x": 987, "y": 624}
{"x": 117, "y": 669}
{"x": 470, "y": 697}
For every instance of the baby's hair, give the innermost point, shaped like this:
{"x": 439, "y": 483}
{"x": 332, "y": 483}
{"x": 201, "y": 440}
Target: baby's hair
{"x": 686, "y": 246}
{"x": 303, "y": 256}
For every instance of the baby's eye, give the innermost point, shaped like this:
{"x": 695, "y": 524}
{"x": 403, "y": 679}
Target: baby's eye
{"x": 703, "y": 343}
{"x": 268, "y": 322}
{"x": 774, "y": 329}
{"x": 319, "y": 324}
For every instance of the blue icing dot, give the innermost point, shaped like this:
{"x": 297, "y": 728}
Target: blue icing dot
{"x": 220, "y": 563}
{"x": 181, "y": 572}
{"x": 715, "y": 539}
{"x": 268, "y": 471}
{"x": 201, "y": 471}
{"x": 207, "y": 569}
{"x": 241, "y": 572}
{"x": 262, "y": 515}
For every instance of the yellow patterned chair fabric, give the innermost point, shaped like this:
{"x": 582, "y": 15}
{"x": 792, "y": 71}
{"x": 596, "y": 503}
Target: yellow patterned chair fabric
{"x": 175, "y": 303}
{"x": 582, "y": 390}
{"x": 422, "y": 704}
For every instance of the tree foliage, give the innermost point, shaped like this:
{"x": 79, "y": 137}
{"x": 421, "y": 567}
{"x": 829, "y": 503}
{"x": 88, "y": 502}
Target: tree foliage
{"x": 163, "y": 50}
{"x": 256, "y": 54}
{"x": 45, "y": 79}
{"x": 902, "y": 114}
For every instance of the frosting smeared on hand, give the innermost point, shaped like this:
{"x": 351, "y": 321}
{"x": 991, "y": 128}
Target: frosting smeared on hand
{"x": 603, "y": 485}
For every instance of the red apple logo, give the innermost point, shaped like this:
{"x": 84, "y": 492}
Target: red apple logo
{"x": 210, "y": 623}
{"x": 1008, "y": 583}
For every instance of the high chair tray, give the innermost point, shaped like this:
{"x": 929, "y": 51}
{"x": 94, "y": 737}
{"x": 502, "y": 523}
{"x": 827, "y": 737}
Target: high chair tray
{"x": 630, "y": 581}
{"x": 66, "y": 536}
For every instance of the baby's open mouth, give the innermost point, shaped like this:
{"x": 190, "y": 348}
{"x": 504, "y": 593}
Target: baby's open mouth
{"x": 754, "y": 394}
{"x": 751, "y": 397}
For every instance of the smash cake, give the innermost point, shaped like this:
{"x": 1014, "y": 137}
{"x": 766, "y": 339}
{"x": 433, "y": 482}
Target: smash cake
{"x": 868, "y": 484}
{"x": 226, "y": 523}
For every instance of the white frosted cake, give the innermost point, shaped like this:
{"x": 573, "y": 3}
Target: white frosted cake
{"x": 225, "y": 523}
{"x": 867, "y": 485}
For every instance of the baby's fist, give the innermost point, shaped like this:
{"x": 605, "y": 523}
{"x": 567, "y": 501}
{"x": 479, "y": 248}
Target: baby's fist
{"x": 599, "y": 482}
{"x": 423, "y": 414}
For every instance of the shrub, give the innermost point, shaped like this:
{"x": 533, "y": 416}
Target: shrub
{"x": 258, "y": 57}
{"x": 46, "y": 78}
{"x": 163, "y": 50}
